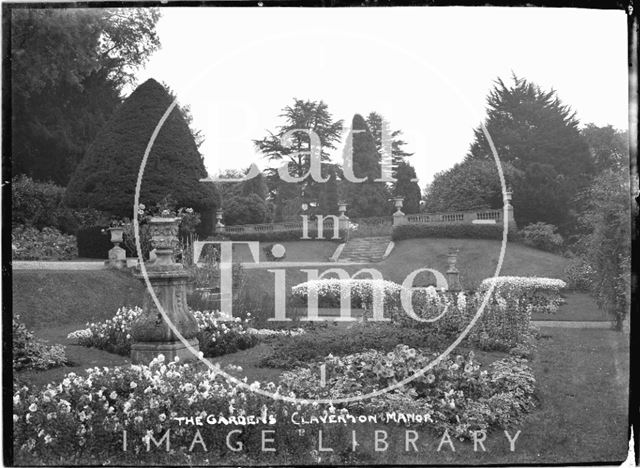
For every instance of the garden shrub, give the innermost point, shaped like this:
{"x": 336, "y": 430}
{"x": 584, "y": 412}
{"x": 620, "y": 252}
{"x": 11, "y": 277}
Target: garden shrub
{"x": 451, "y": 231}
{"x": 82, "y": 419}
{"x": 216, "y": 337}
{"x": 30, "y": 243}
{"x": 542, "y": 236}
{"x": 453, "y": 395}
{"x": 94, "y": 242}
{"x": 35, "y": 203}
{"x": 579, "y": 274}
{"x": 31, "y": 353}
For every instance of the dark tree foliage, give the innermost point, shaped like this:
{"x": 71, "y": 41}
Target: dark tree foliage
{"x": 249, "y": 209}
{"x": 329, "y": 193}
{"x": 606, "y": 246}
{"x": 534, "y": 132}
{"x": 256, "y": 185}
{"x": 469, "y": 185}
{"x": 367, "y": 198}
{"x": 609, "y": 147}
{"x": 68, "y": 67}
{"x": 106, "y": 177}
{"x": 407, "y": 188}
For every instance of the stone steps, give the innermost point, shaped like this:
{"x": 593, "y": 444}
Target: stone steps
{"x": 364, "y": 250}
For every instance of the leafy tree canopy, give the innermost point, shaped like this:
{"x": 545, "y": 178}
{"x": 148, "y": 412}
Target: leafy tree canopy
{"x": 304, "y": 115}
{"x": 68, "y": 67}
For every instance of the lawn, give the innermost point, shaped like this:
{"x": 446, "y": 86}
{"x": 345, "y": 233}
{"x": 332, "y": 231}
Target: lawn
{"x": 47, "y": 299}
{"x": 296, "y": 251}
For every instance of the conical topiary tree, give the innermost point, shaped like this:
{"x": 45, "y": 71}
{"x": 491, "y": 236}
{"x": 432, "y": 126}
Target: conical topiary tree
{"x": 106, "y": 177}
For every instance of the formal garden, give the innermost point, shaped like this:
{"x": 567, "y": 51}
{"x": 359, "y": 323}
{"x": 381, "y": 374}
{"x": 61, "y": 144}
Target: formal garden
{"x": 351, "y": 322}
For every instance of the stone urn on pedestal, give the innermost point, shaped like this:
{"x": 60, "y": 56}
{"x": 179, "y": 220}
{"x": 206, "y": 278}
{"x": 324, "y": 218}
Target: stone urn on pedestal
{"x": 117, "y": 255}
{"x": 398, "y": 216}
{"x": 152, "y": 335}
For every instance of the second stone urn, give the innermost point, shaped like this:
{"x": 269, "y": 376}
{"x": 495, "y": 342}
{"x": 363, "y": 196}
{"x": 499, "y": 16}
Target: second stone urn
{"x": 152, "y": 335}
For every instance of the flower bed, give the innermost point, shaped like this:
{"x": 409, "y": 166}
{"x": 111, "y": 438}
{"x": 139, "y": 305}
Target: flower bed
{"x": 542, "y": 294}
{"x": 81, "y": 420}
{"x": 362, "y": 291}
{"x": 454, "y": 395}
{"x": 31, "y": 353}
{"x": 216, "y": 337}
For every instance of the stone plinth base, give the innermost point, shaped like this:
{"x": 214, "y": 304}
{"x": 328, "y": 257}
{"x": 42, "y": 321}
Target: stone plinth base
{"x": 144, "y": 352}
{"x": 117, "y": 258}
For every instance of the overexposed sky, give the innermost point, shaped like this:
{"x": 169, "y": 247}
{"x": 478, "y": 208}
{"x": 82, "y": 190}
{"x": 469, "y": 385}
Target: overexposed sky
{"x": 426, "y": 70}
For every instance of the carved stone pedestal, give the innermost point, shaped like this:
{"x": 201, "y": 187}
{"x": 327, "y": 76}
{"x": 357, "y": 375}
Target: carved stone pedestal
{"x": 153, "y": 335}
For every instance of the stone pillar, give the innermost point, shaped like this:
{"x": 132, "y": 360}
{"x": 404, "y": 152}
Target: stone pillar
{"x": 153, "y": 336}
{"x": 453, "y": 275}
{"x": 117, "y": 255}
{"x": 343, "y": 219}
{"x": 509, "y": 207}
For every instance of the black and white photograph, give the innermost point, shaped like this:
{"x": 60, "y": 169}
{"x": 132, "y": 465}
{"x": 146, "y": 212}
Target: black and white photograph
{"x": 324, "y": 234}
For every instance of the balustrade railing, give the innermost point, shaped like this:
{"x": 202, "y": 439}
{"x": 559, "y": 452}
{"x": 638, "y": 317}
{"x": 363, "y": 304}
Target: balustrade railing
{"x": 380, "y": 223}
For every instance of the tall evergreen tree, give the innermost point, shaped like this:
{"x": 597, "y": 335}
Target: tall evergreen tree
{"x": 367, "y": 198}
{"x": 377, "y": 124}
{"x": 106, "y": 177}
{"x": 407, "y": 188}
{"x": 537, "y": 134}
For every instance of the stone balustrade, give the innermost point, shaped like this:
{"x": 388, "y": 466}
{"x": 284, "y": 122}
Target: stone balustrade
{"x": 468, "y": 217}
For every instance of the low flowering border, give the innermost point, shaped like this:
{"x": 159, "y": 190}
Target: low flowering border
{"x": 524, "y": 283}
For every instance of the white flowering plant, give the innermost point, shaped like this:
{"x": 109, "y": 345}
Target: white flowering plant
{"x": 362, "y": 291}
{"x": 542, "y": 295}
{"x": 216, "y": 336}
{"x": 456, "y": 394}
{"x": 82, "y": 419}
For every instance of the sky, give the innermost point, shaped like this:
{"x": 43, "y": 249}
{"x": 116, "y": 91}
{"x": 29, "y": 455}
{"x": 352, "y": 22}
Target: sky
{"x": 426, "y": 70}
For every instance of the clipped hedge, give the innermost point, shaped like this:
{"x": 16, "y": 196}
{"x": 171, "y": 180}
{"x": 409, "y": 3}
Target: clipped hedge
{"x": 451, "y": 231}
{"x": 93, "y": 242}
{"x": 280, "y": 236}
